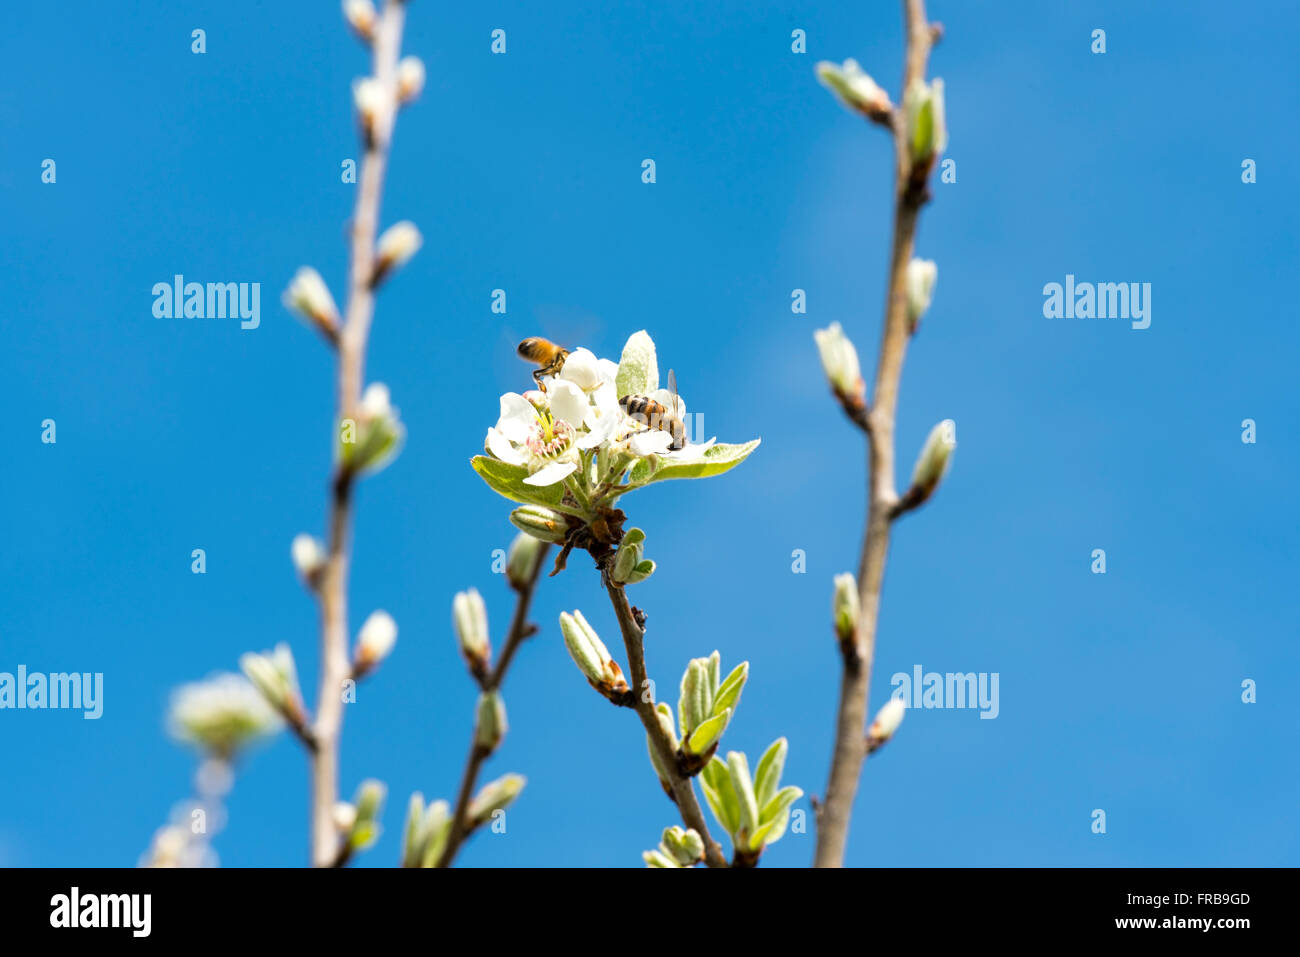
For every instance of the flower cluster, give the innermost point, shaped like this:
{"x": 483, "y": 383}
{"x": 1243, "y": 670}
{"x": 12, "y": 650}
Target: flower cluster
{"x": 570, "y": 450}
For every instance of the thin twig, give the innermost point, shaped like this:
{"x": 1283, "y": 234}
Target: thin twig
{"x": 883, "y": 500}
{"x": 520, "y": 629}
{"x": 683, "y": 791}
{"x": 352, "y": 340}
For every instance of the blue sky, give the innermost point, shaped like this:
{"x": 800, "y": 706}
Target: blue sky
{"x": 1119, "y": 691}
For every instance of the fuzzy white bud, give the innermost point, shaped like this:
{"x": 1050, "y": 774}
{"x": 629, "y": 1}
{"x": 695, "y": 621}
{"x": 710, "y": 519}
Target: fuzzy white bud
{"x": 855, "y": 89}
{"x": 410, "y": 78}
{"x": 885, "y": 723}
{"x": 397, "y": 245}
{"x": 840, "y": 362}
{"x": 376, "y": 639}
{"x": 921, "y": 277}
{"x": 932, "y": 463}
{"x": 361, "y": 16}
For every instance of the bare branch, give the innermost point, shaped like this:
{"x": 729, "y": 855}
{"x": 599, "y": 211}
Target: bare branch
{"x": 882, "y": 501}
{"x": 352, "y": 341}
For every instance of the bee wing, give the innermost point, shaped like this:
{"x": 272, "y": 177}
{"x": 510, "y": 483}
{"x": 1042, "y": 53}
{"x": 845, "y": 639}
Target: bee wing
{"x": 676, "y": 406}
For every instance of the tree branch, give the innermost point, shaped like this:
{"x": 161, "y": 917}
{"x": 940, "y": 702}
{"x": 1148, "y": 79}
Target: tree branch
{"x": 461, "y": 828}
{"x": 352, "y": 340}
{"x": 683, "y": 791}
{"x": 910, "y": 195}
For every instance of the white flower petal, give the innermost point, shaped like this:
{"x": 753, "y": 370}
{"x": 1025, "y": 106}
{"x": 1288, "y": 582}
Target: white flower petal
{"x": 608, "y": 370}
{"x": 552, "y": 473}
{"x": 568, "y": 402}
{"x": 501, "y": 448}
{"x": 650, "y": 442}
{"x": 517, "y": 417}
{"x": 582, "y": 369}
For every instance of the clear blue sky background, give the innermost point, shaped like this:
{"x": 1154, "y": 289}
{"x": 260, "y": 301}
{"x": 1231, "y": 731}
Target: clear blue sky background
{"x": 1119, "y": 692}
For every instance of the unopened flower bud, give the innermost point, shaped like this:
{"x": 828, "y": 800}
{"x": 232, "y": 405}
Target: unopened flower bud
{"x": 630, "y": 565}
{"x": 469, "y": 617}
{"x": 591, "y": 655}
{"x": 541, "y": 523}
{"x": 665, "y": 715}
{"x": 396, "y": 246}
{"x": 373, "y": 439}
{"x": 885, "y": 723}
{"x": 521, "y": 560}
{"x": 855, "y": 89}
{"x": 921, "y": 276}
{"x": 934, "y": 458}
{"x": 369, "y": 95}
{"x": 410, "y": 78}
{"x": 490, "y": 725}
{"x": 685, "y": 847}
{"x": 495, "y": 796}
{"x": 309, "y": 558}
{"x": 924, "y": 123}
{"x": 345, "y": 817}
{"x": 309, "y": 297}
{"x": 274, "y": 674}
{"x": 840, "y": 362}
{"x": 375, "y": 641}
{"x": 845, "y": 607}
{"x": 361, "y": 16}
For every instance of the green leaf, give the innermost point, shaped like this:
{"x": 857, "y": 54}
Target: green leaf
{"x": 363, "y": 835}
{"x": 715, "y": 460}
{"x": 704, "y": 736}
{"x": 923, "y": 135}
{"x": 763, "y": 835}
{"x": 715, "y": 779}
{"x": 738, "y": 766}
{"x": 638, "y": 368}
{"x": 411, "y": 842}
{"x": 768, "y": 775}
{"x": 729, "y": 692}
{"x": 508, "y": 480}
{"x": 780, "y": 802}
{"x": 774, "y": 828}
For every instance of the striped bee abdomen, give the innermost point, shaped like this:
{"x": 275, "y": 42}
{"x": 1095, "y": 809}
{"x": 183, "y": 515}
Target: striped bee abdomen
{"x": 654, "y": 415}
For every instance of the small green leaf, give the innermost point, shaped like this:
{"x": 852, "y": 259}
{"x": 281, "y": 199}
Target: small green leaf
{"x": 776, "y": 827}
{"x": 923, "y": 136}
{"x": 363, "y": 835}
{"x": 714, "y": 461}
{"x": 738, "y": 766}
{"x": 508, "y": 480}
{"x": 763, "y": 834}
{"x": 768, "y": 775}
{"x": 780, "y": 801}
{"x": 703, "y": 737}
{"x": 411, "y": 842}
{"x": 638, "y": 368}
{"x": 729, "y": 692}
{"x": 633, "y": 536}
{"x": 715, "y": 779}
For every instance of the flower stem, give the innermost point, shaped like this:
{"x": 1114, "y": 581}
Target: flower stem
{"x": 683, "y": 791}
{"x": 878, "y": 423}
{"x": 520, "y": 629}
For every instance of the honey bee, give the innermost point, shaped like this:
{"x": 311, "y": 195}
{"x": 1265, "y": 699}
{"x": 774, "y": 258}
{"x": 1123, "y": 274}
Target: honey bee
{"x": 655, "y": 415}
{"x": 548, "y": 356}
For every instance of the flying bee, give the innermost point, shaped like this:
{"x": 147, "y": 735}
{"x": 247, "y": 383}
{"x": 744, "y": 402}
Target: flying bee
{"x": 655, "y": 415}
{"x": 548, "y": 356}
